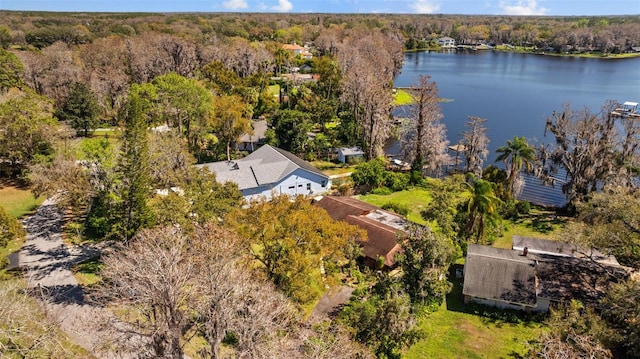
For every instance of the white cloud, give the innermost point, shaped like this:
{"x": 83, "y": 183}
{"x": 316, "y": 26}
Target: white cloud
{"x": 522, "y": 7}
{"x": 283, "y": 6}
{"x": 425, "y": 6}
{"x": 235, "y": 4}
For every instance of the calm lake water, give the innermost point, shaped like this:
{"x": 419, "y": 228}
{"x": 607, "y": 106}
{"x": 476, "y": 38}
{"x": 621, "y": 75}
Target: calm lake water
{"x": 517, "y": 92}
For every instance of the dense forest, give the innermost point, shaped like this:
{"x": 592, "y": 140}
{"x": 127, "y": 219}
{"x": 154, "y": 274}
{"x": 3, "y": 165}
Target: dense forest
{"x": 102, "y": 111}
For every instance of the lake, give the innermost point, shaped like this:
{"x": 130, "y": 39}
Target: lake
{"x": 517, "y": 92}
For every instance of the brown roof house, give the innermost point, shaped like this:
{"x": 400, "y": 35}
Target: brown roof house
{"x": 383, "y": 228}
{"x": 535, "y": 273}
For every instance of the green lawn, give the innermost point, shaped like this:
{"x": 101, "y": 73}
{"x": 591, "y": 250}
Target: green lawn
{"x": 19, "y": 201}
{"x": 415, "y": 199}
{"x": 402, "y": 97}
{"x": 456, "y": 331}
{"x": 87, "y": 273}
{"x": 467, "y": 331}
{"x": 274, "y": 90}
{"x": 540, "y": 223}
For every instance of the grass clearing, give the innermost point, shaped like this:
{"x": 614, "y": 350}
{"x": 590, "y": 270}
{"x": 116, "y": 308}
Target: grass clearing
{"x": 274, "y": 90}
{"x": 415, "y": 199}
{"x": 540, "y": 223}
{"x": 457, "y": 331}
{"x": 402, "y": 97}
{"x": 25, "y": 322}
{"x": 88, "y": 273}
{"x": 332, "y": 168}
{"x": 18, "y": 201}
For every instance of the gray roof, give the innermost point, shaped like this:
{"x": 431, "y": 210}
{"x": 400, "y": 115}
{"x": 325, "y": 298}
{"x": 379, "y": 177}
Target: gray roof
{"x": 351, "y": 151}
{"x": 558, "y": 248}
{"x": 259, "y": 132}
{"x": 566, "y": 278}
{"x": 499, "y": 274}
{"x": 267, "y": 165}
{"x": 506, "y": 275}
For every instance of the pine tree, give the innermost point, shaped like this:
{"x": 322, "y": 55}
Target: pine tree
{"x": 132, "y": 175}
{"x": 80, "y": 109}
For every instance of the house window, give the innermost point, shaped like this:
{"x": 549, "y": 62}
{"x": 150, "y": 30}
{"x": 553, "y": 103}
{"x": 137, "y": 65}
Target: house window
{"x": 292, "y": 187}
{"x": 308, "y": 186}
{"x": 300, "y": 186}
{"x": 324, "y": 183}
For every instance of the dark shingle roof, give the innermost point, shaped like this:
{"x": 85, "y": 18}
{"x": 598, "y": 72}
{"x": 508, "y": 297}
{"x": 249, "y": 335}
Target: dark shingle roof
{"x": 382, "y": 239}
{"x": 565, "y": 278}
{"x": 499, "y": 274}
{"x": 382, "y": 227}
{"x": 341, "y": 207}
{"x": 558, "y": 248}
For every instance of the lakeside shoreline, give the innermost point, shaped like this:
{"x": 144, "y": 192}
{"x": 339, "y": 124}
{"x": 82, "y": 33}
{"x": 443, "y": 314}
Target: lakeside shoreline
{"x": 530, "y": 51}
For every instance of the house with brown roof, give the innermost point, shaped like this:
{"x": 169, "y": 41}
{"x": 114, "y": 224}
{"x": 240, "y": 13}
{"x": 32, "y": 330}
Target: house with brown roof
{"x": 298, "y": 50}
{"x": 383, "y": 227}
{"x": 532, "y": 278}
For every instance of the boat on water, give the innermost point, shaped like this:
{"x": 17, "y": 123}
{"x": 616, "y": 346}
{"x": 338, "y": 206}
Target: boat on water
{"x": 628, "y": 109}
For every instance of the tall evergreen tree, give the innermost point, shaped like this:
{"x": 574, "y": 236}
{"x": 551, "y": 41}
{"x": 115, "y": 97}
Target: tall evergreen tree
{"x": 132, "y": 176}
{"x": 80, "y": 109}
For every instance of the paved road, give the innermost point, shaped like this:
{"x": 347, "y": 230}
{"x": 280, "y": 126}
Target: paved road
{"x": 47, "y": 263}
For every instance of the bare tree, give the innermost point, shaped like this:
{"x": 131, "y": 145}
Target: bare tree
{"x": 476, "y": 145}
{"x": 589, "y": 148}
{"x": 25, "y": 330}
{"x": 425, "y": 142}
{"x": 176, "y": 285}
{"x": 155, "y": 279}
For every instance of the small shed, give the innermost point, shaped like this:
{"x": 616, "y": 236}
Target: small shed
{"x": 350, "y": 154}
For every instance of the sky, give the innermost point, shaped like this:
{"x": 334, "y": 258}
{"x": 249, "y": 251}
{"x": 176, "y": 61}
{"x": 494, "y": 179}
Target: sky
{"x": 467, "y": 7}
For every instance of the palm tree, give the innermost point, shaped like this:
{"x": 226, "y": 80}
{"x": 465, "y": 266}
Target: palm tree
{"x": 482, "y": 208}
{"x": 516, "y": 155}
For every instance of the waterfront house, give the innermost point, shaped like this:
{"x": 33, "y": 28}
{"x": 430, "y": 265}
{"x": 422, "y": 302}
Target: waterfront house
{"x": 532, "y": 278}
{"x": 268, "y": 171}
{"x": 446, "y": 42}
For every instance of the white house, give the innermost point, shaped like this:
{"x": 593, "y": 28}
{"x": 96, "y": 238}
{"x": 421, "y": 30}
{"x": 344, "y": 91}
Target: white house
{"x": 271, "y": 170}
{"x": 446, "y": 42}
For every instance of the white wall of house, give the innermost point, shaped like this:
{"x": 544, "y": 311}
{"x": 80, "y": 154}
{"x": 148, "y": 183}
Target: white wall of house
{"x": 299, "y": 182}
{"x": 542, "y": 304}
{"x": 499, "y": 304}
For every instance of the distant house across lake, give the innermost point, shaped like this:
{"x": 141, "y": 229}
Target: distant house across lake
{"x": 446, "y": 42}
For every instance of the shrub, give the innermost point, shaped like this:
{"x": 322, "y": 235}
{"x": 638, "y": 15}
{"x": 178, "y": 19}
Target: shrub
{"x": 523, "y": 207}
{"x": 398, "y": 208}
{"x": 383, "y": 191}
{"x": 10, "y": 228}
{"x": 397, "y": 181}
